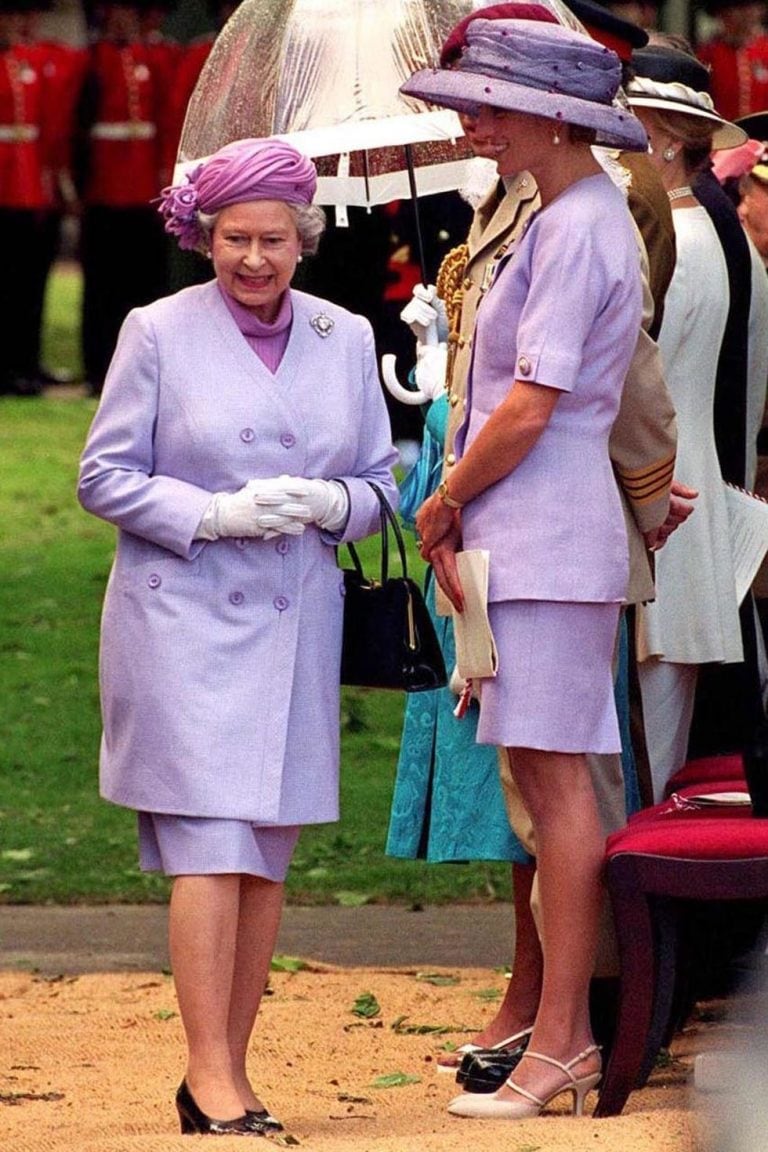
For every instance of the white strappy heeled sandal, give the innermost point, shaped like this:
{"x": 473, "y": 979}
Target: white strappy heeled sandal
{"x": 475, "y": 1104}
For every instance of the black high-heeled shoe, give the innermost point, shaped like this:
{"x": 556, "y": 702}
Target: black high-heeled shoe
{"x": 195, "y": 1122}
{"x": 263, "y": 1120}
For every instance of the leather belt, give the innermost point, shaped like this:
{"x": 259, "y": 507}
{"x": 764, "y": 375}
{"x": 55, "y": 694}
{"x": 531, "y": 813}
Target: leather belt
{"x": 10, "y": 133}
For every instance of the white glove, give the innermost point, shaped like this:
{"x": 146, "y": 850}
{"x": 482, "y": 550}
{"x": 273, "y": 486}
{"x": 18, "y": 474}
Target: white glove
{"x": 272, "y": 491}
{"x": 430, "y": 370}
{"x": 321, "y": 502}
{"x": 238, "y": 514}
{"x": 425, "y": 314}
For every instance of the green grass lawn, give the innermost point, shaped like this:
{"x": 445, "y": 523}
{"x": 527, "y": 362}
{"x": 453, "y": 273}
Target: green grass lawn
{"x": 61, "y": 330}
{"x": 58, "y": 841}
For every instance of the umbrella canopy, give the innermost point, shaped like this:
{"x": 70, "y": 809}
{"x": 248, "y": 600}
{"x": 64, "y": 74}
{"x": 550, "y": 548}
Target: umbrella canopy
{"x": 326, "y": 74}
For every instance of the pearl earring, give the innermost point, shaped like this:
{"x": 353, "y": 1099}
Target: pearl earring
{"x": 556, "y": 137}
{"x": 669, "y": 153}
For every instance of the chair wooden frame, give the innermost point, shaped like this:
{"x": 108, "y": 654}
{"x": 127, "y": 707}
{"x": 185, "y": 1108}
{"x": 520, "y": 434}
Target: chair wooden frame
{"x": 646, "y": 890}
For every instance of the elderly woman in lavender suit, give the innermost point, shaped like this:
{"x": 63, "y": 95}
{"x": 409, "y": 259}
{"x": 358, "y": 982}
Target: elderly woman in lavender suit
{"x": 240, "y": 424}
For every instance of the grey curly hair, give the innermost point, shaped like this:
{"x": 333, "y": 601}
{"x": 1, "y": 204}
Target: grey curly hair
{"x": 310, "y": 225}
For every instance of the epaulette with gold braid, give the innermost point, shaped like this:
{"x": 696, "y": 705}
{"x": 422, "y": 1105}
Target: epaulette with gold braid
{"x": 449, "y": 286}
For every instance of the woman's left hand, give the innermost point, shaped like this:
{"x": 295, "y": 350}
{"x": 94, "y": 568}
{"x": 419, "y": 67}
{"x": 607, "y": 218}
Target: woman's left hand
{"x": 433, "y": 521}
{"x": 443, "y": 559}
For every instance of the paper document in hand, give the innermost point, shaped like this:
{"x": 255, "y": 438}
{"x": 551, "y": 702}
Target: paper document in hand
{"x": 748, "y": 517}
{"x": 476, "y": 655}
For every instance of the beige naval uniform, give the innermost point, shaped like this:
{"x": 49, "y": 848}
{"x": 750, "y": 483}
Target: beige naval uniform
{"x": 642, "y": 449}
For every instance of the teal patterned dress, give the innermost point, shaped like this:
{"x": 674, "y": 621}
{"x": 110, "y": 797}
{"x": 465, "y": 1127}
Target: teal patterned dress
{"x": 447, "y": 803}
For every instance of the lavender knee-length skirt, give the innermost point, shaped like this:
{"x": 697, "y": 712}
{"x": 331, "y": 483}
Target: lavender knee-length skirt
{"x": 200, "y": 846}
{"x": 554, "y": 686}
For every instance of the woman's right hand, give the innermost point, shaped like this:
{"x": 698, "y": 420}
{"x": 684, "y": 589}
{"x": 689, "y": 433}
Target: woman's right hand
{"x": 680, "y": 508}
{"x": 434, "y": 520}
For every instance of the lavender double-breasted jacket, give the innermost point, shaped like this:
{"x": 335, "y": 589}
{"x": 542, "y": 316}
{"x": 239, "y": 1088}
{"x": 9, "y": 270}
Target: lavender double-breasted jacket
{"x": 219, "y": 661}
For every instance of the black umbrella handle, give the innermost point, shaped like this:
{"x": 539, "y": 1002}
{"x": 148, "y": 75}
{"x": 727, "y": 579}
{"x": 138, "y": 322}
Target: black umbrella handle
{"x": 417, "y": 221}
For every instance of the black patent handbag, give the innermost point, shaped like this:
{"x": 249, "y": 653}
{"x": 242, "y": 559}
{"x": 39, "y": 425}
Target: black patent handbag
{"x": 389, "y": 639}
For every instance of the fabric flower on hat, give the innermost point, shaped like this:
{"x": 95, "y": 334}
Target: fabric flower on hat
{"x": 179, "y": 207}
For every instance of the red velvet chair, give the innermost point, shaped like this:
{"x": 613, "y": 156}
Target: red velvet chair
{"x": 707, "y": 770}
{"x": 665, "y": 856}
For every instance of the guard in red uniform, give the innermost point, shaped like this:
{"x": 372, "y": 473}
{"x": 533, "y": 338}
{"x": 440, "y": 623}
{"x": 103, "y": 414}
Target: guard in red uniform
{"x": 25, "y": 195}
{"x": 193, "y": 57}
{"x": 122, "y": 118}
{"x": 738, "y": 58}
{"x": 63, "y": 67}
{"x": 190, "y": 267}
{"x": 168, "y": 55}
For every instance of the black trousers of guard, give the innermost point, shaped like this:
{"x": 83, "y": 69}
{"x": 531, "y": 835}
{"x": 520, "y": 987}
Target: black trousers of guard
{"x": 124, "y": 259}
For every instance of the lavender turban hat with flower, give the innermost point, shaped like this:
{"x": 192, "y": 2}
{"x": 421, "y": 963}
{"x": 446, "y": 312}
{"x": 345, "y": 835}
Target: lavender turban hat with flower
{"x": 256, "y": 169}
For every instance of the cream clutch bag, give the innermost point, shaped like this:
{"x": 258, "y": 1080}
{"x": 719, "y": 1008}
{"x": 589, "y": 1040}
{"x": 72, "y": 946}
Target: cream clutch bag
{"x": 476, "y": 655}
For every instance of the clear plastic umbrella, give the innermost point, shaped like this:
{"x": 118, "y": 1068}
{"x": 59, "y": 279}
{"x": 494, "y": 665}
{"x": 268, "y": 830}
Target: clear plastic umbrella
{"x": 326, "y": 75}
{"x": 414, "y": 396}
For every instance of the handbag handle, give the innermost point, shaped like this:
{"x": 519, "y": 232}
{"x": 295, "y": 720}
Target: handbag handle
{"x": 387, "y": 520}
{"x": 408, "y": 595}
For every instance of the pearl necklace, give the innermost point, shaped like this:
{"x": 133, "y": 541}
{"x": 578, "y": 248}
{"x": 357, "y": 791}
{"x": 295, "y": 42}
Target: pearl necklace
{"x": 680, "y": 193}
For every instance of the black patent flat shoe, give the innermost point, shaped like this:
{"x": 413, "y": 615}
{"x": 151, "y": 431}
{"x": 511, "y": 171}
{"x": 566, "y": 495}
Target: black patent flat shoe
{"x": 263, "y": 1121}
{"x": 195, "y": 1122}
{"x": 487, "y": 1071}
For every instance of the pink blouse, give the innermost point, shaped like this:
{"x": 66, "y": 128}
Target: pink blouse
{"x": 268, "y": 341}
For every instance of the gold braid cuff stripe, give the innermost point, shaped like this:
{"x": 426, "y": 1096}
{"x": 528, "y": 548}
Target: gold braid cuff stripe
{"x": 643, "y": 485}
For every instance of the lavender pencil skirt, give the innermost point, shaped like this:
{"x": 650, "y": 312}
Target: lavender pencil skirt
{"x": 554, "y": 686}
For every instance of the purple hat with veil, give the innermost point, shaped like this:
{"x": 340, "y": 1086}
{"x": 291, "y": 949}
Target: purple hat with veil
{"x": 539, "y": 68}
{"x": 246, "y": 170}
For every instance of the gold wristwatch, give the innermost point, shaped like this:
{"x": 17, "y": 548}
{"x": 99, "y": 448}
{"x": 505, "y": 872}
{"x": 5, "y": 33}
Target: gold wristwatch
{"x": 445, "y": 496}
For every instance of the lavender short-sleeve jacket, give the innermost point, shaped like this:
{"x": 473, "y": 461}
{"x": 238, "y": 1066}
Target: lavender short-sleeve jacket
{"x": 564, "y": 311}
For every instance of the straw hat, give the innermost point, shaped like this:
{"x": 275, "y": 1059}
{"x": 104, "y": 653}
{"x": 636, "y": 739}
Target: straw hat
{"x": 672, "y": 81}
